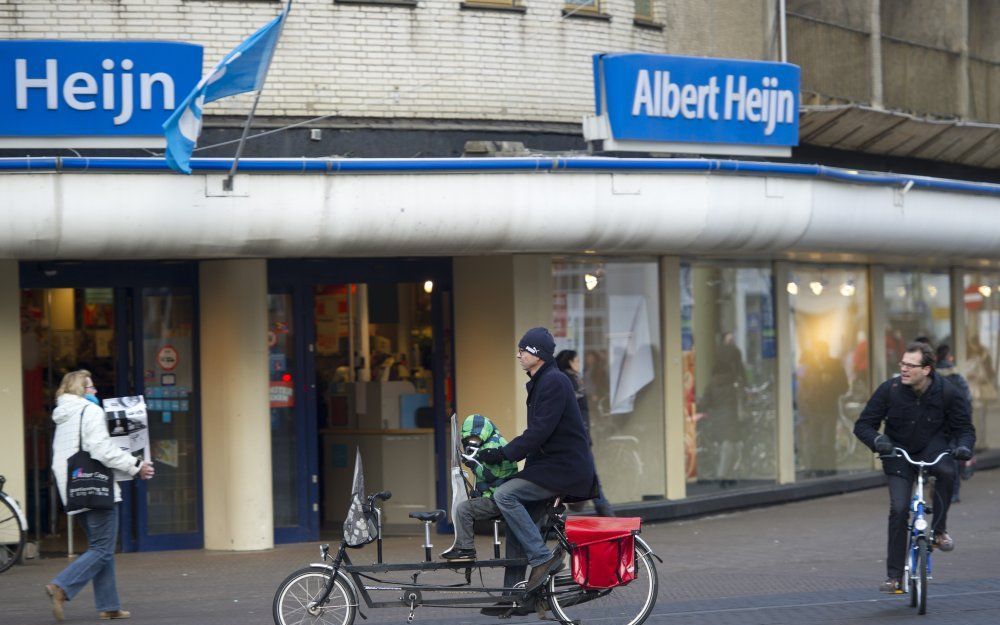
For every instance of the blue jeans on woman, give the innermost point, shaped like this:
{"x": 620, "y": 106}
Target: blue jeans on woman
{"x": 97, "y": 563}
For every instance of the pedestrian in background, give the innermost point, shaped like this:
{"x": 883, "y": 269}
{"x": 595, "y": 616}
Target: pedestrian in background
{"x": 81, "y": 425}
{"x": 568, "y": 362}
{"x": 946, "y": 367}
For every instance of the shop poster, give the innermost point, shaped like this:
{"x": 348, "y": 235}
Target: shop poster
{"x": 128, "y": 427}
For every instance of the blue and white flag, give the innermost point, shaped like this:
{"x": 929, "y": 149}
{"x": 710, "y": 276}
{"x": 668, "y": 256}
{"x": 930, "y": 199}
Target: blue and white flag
{"x": 242, "y": 70}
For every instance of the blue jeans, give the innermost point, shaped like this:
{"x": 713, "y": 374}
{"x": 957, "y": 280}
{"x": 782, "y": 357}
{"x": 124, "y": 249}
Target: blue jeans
{"x": 511, "y": 498}
{"x": 97, "y": 563}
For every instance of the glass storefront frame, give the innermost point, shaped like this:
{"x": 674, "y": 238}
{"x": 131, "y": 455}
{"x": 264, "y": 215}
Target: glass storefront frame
{"x": 130, "y": 282}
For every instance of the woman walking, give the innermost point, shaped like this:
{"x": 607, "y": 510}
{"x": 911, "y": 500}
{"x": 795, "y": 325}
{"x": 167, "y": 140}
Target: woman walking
{"x": 80, "y": 424}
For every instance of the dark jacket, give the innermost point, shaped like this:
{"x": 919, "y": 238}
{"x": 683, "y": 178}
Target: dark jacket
{"x": 555, "y": 442}
{"x": 923, "y": 425}
{"x": 581, "y": 400}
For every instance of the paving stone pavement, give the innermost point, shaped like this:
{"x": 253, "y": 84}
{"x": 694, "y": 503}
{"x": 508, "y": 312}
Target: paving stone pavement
{"x": 817, "y": 562}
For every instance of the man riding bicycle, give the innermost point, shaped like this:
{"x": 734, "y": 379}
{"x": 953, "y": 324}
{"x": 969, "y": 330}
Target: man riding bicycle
{"x": 925, "y": 415}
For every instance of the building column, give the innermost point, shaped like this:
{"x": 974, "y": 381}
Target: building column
{"x": 12, "y": 441}
{"x": 497, "y": 298}
{"x": 673, "y": 374}
{"x": 785, "y": 427}
{"x": 236, "y": 434}
{"x": 878, "y": 321}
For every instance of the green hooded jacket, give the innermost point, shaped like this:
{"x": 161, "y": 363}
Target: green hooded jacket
{"x": 488, "y": 476}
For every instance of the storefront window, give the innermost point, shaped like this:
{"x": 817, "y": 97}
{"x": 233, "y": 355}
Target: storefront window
{"x": 728, "y": 340}
{"x": 829, "y": 312}
{"x": 608, "y": 312}
{"x": 917, "y": 304}
{"x": 982, "y": 331}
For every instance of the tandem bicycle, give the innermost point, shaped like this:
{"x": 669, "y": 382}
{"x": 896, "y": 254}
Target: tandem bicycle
{"x": 331, "y": 592}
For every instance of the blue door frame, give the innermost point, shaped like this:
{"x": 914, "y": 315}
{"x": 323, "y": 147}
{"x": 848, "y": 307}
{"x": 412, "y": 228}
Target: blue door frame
{"x": 298, "y": 277}
{"x": 127, "y": 279}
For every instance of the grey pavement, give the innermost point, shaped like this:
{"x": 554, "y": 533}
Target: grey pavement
{"x": 817, "y": 562}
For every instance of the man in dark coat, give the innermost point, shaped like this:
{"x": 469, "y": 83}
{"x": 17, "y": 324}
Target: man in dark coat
{"x": 925, "y": 415}
{"x": 555, "y": 445}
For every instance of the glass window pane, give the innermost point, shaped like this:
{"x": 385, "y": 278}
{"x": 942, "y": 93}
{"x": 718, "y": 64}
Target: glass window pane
{"x": 982, "y": 331}
{"x": 172, "y": 498}
{"x": 917, "y": 304}
{"x": 608, "y": 312}
{"x": 644, "y": 9}
{"x": 829, "y": 312}
{"x": 591, "y": 6}
{"x": 727, "y": 334}
{"x": 285, "y": 477}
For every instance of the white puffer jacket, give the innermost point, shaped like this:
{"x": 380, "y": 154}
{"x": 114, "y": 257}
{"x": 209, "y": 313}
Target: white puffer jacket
{"x": 67, "y": 417}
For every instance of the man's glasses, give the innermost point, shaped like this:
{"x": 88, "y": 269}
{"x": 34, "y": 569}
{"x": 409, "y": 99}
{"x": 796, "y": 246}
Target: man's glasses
{"x": 906, "y": 366}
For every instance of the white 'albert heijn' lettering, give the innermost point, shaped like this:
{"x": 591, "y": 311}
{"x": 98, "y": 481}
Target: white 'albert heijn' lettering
{"x": 80, "y": 89}
{"x": 659, "y": 97}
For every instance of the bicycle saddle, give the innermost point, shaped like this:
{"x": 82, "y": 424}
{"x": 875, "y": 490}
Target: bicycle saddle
{"x": 432, "y": 515}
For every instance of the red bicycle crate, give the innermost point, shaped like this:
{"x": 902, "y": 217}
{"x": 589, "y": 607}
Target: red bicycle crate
{"x": 603, "y": 554}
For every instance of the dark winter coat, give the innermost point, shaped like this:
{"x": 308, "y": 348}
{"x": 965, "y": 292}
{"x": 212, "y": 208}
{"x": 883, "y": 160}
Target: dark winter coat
{"x": 555, "y": 442}
{"x": 923, "y": 425}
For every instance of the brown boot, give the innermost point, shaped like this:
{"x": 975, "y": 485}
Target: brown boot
{"x": 114, "y": 614}
{"x": 58, "y": 598}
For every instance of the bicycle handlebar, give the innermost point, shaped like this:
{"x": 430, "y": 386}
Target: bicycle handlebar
{"x": 382, "y": 495}
{"x": 918, "y": 463}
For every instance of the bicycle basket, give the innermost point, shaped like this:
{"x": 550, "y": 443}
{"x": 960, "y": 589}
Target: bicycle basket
{"x": 603, "y": 550}
{"x": 360, "y": 526}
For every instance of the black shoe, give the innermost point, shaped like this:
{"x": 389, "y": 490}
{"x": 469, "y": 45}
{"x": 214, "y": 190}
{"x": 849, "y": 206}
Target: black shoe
{"x": 499, "y": 609}
{"x": 541, "y": 572}
{"x": 893, "y": 585}
{"x": 459, "y": 554}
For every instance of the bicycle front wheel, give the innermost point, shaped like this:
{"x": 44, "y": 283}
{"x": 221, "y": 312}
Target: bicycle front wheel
{"x": 294, "y": 602}
{"x": 629, "y": 604}
{"x": 11, "y": 535}
{"x": 920, "y": 577}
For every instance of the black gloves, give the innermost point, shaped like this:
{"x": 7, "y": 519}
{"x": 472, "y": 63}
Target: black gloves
{"x": 492, "y": 455}
{"x": 883, "y": 445}
{"x": 961, "y": 453}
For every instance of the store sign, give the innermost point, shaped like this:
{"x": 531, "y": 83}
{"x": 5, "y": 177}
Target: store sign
{"x": 92, "y": 93}
{"x": 664, "y": 103}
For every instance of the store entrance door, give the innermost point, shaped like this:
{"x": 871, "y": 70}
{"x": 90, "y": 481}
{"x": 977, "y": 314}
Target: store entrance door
{"x": 133, "y": 326}
{"x": 360, "y": 359}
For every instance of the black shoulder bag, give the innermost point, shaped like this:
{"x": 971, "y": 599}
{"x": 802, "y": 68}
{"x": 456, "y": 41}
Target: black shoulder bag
{"x": 89, "y": 484}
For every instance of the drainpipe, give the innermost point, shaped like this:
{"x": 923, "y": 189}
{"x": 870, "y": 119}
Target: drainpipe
{"x": 876, "y": 52}
{"x": 782, "y": 32}
{"x": 963, "y": 63}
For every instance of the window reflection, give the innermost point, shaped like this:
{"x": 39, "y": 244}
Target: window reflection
{"x": 829, "y": 313}
{"x": 917, "y": 304}
{"x": 608, "y": 312}
{"x": 982, "y": 328}
{"x": 728, "y": 339}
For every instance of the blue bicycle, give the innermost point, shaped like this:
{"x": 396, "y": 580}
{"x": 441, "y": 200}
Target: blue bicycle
{"x": 917, "y": 570}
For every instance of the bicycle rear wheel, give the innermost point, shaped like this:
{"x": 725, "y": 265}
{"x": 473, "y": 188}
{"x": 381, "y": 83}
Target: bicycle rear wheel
{"x": 629, "y": 604}
{"x": 292, "y": 601}
{"x": 920, "y": 576}
{"x": 11, "y": 535}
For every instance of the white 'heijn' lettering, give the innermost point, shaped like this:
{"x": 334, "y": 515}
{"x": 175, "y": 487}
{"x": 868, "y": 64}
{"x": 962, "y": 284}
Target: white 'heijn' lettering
{"x": 656, "y": 96}
{"x": 80, "y": 89}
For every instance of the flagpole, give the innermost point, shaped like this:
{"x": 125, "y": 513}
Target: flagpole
{"x": 227, "y": 184}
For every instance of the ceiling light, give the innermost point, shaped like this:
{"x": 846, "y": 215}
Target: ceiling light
{"x": 792, "y": 288}
{"x": 847, "y": 289}
{"x": 429, "y": 286}
{"x": 816, "y": 287}
{"x": 590, "y": 281}
{"x": 986, "y": 290}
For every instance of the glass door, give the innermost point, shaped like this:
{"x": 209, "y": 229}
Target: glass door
{"x": 169, "y": 506}
{"x": 136, "y": 332}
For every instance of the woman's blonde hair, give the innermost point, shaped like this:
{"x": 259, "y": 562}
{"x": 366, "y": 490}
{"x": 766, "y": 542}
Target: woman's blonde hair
{"x": 74, "y": 383}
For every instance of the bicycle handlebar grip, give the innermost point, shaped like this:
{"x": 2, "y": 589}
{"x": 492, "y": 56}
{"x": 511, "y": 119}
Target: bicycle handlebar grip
{"x": 384, "y": 495}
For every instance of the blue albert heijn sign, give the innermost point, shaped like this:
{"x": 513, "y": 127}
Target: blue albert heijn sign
{"x": 666, "y": 103}
{"x": 92, "y": 93}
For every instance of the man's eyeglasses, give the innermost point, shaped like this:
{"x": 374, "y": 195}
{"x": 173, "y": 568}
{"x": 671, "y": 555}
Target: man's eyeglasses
{"x": 906, "y": 366}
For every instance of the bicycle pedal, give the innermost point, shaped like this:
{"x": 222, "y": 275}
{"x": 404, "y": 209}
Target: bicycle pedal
{"x": 899, "y": 591}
